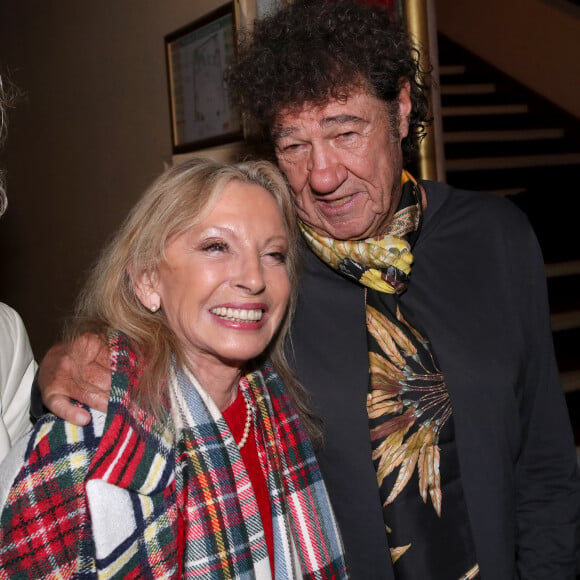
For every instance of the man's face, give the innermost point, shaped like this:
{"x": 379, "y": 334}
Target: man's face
{"x": 343, "y": 161}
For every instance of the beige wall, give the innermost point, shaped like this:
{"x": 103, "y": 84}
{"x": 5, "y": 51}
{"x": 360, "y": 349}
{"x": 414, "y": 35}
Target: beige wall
{"x": 91, "y": 133}
{"x": 535, "y": 41}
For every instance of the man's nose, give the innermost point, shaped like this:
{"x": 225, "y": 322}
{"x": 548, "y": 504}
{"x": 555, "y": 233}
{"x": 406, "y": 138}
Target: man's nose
{"x": 326, "y": 173}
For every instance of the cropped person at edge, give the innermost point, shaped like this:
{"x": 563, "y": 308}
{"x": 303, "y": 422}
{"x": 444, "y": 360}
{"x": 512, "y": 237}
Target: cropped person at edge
{"x": 448, "y": 449}
{"x": 17, "y": 365}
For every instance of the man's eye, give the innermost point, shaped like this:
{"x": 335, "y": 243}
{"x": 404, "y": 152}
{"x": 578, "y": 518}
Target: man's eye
{"x": 291, "y": 148}
{"x": 348, "y": 139}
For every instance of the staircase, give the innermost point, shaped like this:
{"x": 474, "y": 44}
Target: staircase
{"x": 499, "y": 136}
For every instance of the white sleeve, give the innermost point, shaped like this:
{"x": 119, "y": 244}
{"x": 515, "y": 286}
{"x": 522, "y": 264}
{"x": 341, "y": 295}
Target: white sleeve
{"x": 17, "y": 369}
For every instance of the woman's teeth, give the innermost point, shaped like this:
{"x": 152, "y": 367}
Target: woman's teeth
{"x": 238, "y": 314}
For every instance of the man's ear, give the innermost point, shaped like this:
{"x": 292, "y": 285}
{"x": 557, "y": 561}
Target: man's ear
{"x": 145, "y": 285}
{"x": 405, "y": 107}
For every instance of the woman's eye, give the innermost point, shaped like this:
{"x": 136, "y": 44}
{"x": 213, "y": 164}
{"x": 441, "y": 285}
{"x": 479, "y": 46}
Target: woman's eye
{"x": 215, "y": 247}
{"x": 279, "y": 257}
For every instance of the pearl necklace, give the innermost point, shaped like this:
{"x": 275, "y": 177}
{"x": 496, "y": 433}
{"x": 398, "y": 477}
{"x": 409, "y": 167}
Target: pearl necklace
{"x": 246, "y": 426}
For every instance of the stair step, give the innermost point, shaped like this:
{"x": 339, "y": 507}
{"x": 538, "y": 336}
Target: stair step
{"x": 465, "y": 77}
{"x": 500, "y": 149}
{"x": 565, "y": 320}
{"x": 451, "y": 69}
{"x": 474, "y": 93}
{"x": 497, "y": 123}
{"x": 555, "y": 148}
{"x": 516, "y": 161}
{"x": 570, "y": 381}
{"x": 468, "y": 89}
{"x": 499, "y": 135}
{"x": 539, "y": 180}
{"x": 462, "y": 111}
{"x": 533, "y": 177}
{"x": 559, "y": 269}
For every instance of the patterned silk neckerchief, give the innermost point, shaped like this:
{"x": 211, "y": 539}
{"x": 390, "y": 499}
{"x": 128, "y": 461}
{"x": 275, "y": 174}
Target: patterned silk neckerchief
{"x": 384, "y": 263}
{"x": 409, "y": 408}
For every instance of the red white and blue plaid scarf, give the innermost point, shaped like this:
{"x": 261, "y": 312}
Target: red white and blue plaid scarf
{"x": 101, "y": 501}
{"x": 224, "y": 538}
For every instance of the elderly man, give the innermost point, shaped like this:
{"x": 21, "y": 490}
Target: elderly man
{"x": 448, "y": 451}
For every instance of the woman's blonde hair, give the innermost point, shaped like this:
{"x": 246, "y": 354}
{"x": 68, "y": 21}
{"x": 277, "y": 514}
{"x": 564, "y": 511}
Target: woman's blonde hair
{"x": 176, "y": 201}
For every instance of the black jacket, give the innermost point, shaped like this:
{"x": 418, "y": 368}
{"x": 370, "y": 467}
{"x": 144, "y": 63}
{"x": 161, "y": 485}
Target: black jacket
{"x": 478, "y": 291}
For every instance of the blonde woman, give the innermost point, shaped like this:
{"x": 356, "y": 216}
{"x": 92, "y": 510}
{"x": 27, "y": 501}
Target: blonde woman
{"x": 202, "y": 466}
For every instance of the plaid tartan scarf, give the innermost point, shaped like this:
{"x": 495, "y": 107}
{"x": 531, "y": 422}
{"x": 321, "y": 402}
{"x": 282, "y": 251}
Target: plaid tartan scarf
{"x": 224, "y": 538}
{"x": 95, "y": 501}
{"x": 100, "y": 501}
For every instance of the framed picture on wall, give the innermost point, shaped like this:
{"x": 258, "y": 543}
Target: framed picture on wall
{"x": 202, "y": 113}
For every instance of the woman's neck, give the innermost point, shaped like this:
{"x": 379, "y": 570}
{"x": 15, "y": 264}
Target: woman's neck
{"x": 218, "y": 379}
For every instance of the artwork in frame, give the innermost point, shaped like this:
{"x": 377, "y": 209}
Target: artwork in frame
{"x": 197, "y": 55}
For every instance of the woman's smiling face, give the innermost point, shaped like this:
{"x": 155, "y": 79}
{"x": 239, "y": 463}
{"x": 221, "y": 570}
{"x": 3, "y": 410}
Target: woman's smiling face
{"x": 224, "y": 285}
